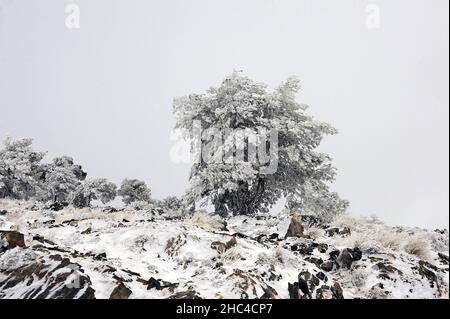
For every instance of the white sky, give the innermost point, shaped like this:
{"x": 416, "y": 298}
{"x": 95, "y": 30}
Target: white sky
{"x": 103, "y": 93}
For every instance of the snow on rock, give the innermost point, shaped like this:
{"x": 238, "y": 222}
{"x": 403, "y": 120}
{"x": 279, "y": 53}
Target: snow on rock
{"x": 143, "y": 254}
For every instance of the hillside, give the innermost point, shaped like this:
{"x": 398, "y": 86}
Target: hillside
{"x": 105, "y": 253}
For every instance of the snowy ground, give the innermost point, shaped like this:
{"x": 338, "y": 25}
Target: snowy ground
{"x": 89, "y": 253}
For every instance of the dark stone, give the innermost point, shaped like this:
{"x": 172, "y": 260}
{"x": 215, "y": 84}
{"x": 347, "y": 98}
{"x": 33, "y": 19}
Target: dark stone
{"x": 153, "y": 283}
{"x": 322, "y": 276}
{"x": 322, "y": 247}
{"x": 3, "y": 212}
{"x": 356, "y": 253}
{"x": 443, "y": 258}
{"x": 302, "y": 248}
{"x": 293, "y": 290}
{"x": 101, "y": 256}
{"x": 345, "y": 231}
{"x": 269, "y": 293}
{"x": 120, "y": 292}
{"x": 327, "y": 265}
{"x": 87, "y": 231}
{"x": 109, "y": 209}
{"x": 345, "y": 259}
{"x": 337, "y": 291}
{"x": 189, "y": 294}
{"x": 303, "y": 286}
{"x": 56, "y": 206}
{"x": 332, "y": 231}
{"x": 334, "y": 254}
{"x": 314, "y": 260}
{"x": 231, "y": 243}
{"x": 273, "y": 236}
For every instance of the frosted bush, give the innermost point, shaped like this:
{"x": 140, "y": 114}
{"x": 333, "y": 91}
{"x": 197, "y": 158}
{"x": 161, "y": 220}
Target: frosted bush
{"x": 206, "y": 221}
{"x": 314, "y": 232}
{"x": 417, "y": 245}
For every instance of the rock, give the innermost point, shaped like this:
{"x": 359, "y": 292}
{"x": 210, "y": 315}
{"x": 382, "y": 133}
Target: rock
{"x": 303, "y": 286}
{"x": 324, "y": 292}
{"x": 295, "y": 227}
{"x": 231, "y": 243}
{"x": 303, "y": 248}
{"x": 87, "y": 231}
{"x": 293, "y": 290}
{"x": 332, "y": 231}
{"x": 101, "y": 256}
{"x": 345, "y": 259}
{"x": 334, "y": 254}
{"x": 337, "y": 231}
{"x": 337, "y": 291}
{"x": 386, "y": 268}
{"x": 109, "y": 209}
{"x": 443, "y": 258}
{"x": 153, "y": 283}
{"x": 307, "y": 283}
{"x": 322, "y": 276}
{"x": 345, "y": 231}
{"x": 189, "y": 294}
{"x": 219, "y": 246}
{"x": 12, "y": 238}
{"x": 3, "y": 212}
{"x": 56, "y": 206}
{"x": 322, "y": 248}
{"x": 356, "y": 253}
{"x": 120, "y": 292}
{"x": 327, "y": 265}
{"x": 426, "y": 270}
{"x": 269, "y": 293}
{"x": 314, "y": 260}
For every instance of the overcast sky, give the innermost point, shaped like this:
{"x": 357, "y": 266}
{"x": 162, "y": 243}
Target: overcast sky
{"x": 103, "y": 93}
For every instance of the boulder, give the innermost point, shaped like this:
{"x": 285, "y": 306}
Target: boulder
{"x": 337, "y": 291}
{"x": 345, "y": 259}
{"x": 231, "y": 243}
{"x": 269, "y": 293}
{"x": 12, "y": 238}
{"x": 327, "y": 265}
{"x": 120, "y": 292}
{"x": 295, "y": 227}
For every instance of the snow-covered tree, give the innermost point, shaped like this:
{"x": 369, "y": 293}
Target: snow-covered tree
{"x": 241, "y": 105}
{"x": 317, "y": 199}
{"x": 60, "y": 179}
{"x": 172, "y": 203}
{"x": 133, "y": 190}
{"x": 94, "y": 189}
{"x": 19, "y": 169}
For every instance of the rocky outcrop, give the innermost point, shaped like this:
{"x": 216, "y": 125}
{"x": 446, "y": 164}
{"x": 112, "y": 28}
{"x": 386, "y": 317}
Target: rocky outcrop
{"x": 295, "y": 227}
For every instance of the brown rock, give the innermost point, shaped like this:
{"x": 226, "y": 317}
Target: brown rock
{"x": 345, "y": 259}
{"x": 295, "y": 227}
{"x": 327, "y": 266}
{"x": 231, "y": 243}
{"x": 13, "y": 238}
{"x": 337, "y": 291}
{"x": 120, "y": 292}
{"x": 269, "y": 293}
